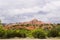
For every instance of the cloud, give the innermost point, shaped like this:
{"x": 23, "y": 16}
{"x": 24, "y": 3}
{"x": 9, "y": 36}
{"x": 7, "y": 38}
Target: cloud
{"x": 25, "y": 10}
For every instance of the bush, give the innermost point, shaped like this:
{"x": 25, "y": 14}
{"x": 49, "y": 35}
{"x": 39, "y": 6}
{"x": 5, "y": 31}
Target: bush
{"x": 1, "y": 30}
{"x": 1, "y": 33}
{"x": 39, "y": 33}
{"x": 58, "y": 28}
{"x": 14, "y": 33}
{"x": 29, "y": 34}
{"x": 53, "y": 33}
{"x": 22, "y": 33}
{"x": 9, "y": 33}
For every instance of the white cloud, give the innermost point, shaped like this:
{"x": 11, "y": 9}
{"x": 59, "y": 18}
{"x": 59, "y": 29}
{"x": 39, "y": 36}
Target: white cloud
{"x": 12, "y": 8}
{"x": 51, "y": 6}
{"x": 24, "y": 10}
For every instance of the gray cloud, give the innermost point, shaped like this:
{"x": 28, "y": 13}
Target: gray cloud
{"x": 24, "y": 10}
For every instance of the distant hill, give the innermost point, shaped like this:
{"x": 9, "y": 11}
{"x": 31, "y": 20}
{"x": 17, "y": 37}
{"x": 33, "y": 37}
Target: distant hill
{"x": 33, "y": 24}
{"x": 34, "y": 21}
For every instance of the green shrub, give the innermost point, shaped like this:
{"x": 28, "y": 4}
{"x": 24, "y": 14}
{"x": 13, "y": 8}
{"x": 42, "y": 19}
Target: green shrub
{"x": 1, "y": 33}
{"x": 8, "y": 34}
{"x": 29, "y": 34}
{"x": 53, "y": 33}
{"x": 21, "y": 33}
{"x": 39, "y": 33}
{"x": 58, "y": 28}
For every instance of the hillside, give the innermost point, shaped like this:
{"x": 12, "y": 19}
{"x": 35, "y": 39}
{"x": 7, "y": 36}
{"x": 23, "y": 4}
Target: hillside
{"x": 33, "y": 24}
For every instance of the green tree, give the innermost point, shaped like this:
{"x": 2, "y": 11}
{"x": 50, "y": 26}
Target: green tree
{"x": 39, "y": 33}
{"x": 53, "y": 33}
{"x": 1, "y": 26}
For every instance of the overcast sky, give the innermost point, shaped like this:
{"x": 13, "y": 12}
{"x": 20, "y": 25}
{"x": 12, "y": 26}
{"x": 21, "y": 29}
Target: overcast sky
{"x": 25, "y": 10}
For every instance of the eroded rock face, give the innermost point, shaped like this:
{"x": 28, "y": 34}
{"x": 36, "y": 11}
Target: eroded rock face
{"x": 33, "y": 24}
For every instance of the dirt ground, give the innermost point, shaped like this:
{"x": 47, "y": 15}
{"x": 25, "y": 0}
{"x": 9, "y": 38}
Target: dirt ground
{"x": 29, "y": 39}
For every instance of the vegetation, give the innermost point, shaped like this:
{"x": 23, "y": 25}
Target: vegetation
{"x": 39, "y": 33}
{"x": 24, "y": 33}
{"x": 53, "y": 33}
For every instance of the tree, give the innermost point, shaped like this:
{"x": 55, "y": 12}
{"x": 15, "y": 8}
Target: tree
{"x": 1, "y": 26}
{"x": 53, "y": 33}
{"x": 39, "y": 33}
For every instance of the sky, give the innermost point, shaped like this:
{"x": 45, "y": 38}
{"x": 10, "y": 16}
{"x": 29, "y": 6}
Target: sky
{"x": 12, "y": 11}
